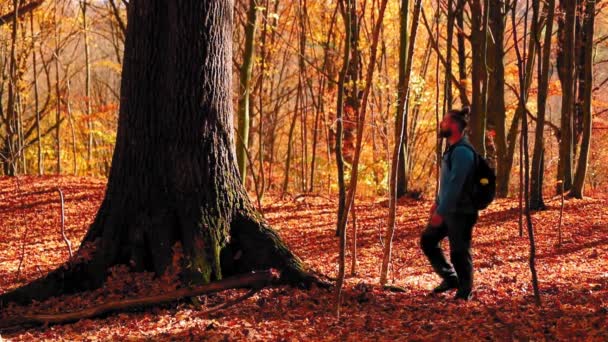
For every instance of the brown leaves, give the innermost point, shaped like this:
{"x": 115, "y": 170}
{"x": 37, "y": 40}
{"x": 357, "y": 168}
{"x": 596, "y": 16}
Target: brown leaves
{"x": 573, "y": 278}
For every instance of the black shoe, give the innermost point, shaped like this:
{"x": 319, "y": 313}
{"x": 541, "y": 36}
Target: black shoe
{"x": 446, "y": 285}
{"x": 465, "y": 295}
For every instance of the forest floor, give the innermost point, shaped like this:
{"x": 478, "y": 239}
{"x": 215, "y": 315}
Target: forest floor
{"x": 573, "y": 277}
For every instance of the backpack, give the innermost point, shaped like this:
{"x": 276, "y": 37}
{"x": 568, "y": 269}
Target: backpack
{"x": 483, "y": 179}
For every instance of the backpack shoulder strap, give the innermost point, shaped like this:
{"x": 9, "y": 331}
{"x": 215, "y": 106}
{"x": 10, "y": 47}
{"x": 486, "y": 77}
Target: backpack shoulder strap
{"x": 453, "y": 147}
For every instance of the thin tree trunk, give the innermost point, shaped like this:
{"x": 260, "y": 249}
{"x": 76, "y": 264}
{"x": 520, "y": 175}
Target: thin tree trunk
{"x": 303, "y": 101}
{"x": 20, "y": 138}
{"x": 496, "y": 90}
{"x": 538, "y": 157}
{"x": 522, "y": 62}
{"x": 292, "y": 127}
{"x": 87, "y": 86}
{"x": 245, "y": 89}
{"x": 352, "y": 188}
{"x": 320, "y": 107}
{"x": 68, "y": 107}
{"x": 261, "y": 95}
{"x": 438, "y": 140}
{"x": 578, "y": 186}
{"x": 346, "y": 14}
{"x": 410, "y": 43}
{"x": 353, "y": 259}
{"x": 448, "y": 55}
{"x": 479, "y": 36}
{"x": 567, "y": 74}
{"x": 532, "y": 256}
{"x": 57, "y": 95}
{"x": 12, "y": 137}
{"x": 462, "y": 60}
{"x": 503, "y": 175}
{"x": 36, "y": 100}
{"x": 413, "y": 136}
{"x": 402, "y": 90}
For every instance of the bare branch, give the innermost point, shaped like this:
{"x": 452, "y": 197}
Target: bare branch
{"x": 5, "y": 19}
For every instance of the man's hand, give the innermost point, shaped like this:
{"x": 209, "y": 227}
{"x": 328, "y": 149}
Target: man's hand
{"x": 436, "y": 220}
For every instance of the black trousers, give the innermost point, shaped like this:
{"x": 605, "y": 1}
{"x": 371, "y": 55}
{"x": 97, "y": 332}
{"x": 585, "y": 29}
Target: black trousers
{"x": 459, "y": 229}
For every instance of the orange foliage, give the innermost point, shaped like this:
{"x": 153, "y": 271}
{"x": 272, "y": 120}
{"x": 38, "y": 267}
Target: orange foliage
{"x": 573, "y": 278}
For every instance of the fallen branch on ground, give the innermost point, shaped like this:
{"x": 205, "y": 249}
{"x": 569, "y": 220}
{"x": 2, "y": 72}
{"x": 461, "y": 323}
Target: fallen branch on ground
{"x": 252, "y": 280}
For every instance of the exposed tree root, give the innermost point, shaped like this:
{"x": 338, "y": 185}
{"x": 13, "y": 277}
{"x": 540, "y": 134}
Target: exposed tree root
{"x": 254, "y": 280}
{"x": 255, "y": 246}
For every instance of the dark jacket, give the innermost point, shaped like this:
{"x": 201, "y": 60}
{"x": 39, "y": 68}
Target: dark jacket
{"x": 456, "y": 180}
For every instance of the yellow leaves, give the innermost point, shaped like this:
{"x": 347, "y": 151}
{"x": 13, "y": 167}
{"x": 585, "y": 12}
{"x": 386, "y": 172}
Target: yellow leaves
{"x": 109, "y": 64}
{"x": 274, "y": 16}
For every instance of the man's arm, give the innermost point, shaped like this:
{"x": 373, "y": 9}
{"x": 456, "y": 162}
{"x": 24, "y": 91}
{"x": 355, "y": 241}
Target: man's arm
{"x": 462, "y": 160}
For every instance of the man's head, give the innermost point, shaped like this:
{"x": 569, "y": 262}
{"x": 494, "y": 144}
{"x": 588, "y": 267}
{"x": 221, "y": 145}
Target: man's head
{"x": 454, "y": 123}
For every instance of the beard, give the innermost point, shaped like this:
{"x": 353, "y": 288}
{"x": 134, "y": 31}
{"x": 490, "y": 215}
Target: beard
{"x": 445, "y": 133}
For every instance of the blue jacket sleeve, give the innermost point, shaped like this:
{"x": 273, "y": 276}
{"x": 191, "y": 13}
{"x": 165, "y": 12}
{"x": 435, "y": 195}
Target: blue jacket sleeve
{"x": 462, "y": 164}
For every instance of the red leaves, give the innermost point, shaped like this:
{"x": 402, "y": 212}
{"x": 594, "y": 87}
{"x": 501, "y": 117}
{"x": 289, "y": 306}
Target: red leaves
{"x": 573, "y": 278}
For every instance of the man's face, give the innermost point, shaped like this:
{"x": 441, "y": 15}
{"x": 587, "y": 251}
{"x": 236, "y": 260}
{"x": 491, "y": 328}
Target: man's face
{"x": 447, "y": 127}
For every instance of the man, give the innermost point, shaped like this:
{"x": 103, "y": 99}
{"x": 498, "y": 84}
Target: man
{"x": 453, "y": 214}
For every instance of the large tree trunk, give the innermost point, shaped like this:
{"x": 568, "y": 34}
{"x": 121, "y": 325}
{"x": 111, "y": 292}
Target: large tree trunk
{"x": 174, "y": 176}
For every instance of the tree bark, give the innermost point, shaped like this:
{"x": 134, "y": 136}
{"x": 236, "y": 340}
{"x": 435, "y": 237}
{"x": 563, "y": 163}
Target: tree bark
{"x": 245, "y": 90}
{"x": 87, "y": 86}
{"x": 346, "y": 15}
{"x": 503, "y": 175}
{"x": 462, "y": 59}
{"x": 174, "y": 177}
{"x": 567, "y": 72}
{"x": 399, "y": 142}
{"x": 20, "y": 11}
{"x": 354, "y": 175}
{"x": 12, "y": 122}
{"x": 57, "y": 93}
{"x": 538, "y": 157}
{"x": 587, "y": 84}
{"x": 401, "y": 116}
{"x": 496, "y": 88}
{"x": 292, "y": 127}
{"x": 479, "y": 76}
{"x": 36, "y": 99}
{"x": 524, "y": 62}
{"x": 320, "y": 103}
